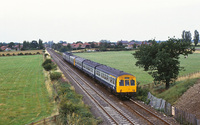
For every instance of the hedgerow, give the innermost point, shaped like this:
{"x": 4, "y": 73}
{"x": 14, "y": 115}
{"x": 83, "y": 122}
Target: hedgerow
{"x": 71, "y": 108}
{"x": 55, "y": 75}
{"x": 48, "y": 65}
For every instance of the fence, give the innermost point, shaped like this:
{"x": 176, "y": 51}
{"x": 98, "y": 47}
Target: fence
{"x": 185, "y": 118}
{"x": 160, "y": 104}
{"x": 45, "y": 121}
{"x": 180, "y": 115}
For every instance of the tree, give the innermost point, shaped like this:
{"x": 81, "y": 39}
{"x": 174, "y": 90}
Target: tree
{"x": 26, "y": 45}
{"x": 19, "y": 46}
{"x": 34, "y": 44}
{"x": 92, "y": 44}
{"x": 79, "y": 42}
{"x": 196, "y": 37}
{"x": 40, "y": 44}
{"x": 120, "y": 44}
{"x": 161, "y": 60}
{"x": 69, "y": 47}
{"x": 103, "y": 46}
{"x": 186, "y": 35}
{"x": 11, "y": 44}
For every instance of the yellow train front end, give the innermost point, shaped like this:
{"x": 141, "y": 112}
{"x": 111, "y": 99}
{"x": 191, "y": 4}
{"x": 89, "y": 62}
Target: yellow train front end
{"x": 126, "y": 85}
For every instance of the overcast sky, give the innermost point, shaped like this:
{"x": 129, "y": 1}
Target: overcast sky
{"x": 93, "y": 20}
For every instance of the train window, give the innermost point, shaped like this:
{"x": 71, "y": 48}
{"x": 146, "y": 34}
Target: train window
{"x": 132, "y": 82}
{"x": 121, "y": 82}
{"x": 111, "y": 80}
{"x": 126, "y": 82}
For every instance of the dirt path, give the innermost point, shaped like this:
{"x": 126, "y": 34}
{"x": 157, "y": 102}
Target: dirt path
{"x": 190, "y": 100}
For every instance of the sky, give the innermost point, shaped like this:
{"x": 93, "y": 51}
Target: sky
{"x": 94, "y": 20}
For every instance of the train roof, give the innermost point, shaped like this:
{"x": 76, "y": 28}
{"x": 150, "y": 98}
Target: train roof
{"x": 80, "y": 59}
{"x": 91, "y": 63}
{"x": 67, "y": 53}
{"x": 111, "y": 71}
{"x": 74, "y": 56}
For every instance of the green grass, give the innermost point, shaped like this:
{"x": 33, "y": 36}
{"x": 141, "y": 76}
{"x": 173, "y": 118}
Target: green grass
{"x": 171, "y": 95}
{"x": 124, "y": 60}
{"x": 23, "y": 94}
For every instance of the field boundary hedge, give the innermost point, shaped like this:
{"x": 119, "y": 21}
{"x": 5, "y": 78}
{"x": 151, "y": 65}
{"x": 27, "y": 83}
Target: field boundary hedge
{"x": 180, "y": 78}
{"x": 18, "y": 53}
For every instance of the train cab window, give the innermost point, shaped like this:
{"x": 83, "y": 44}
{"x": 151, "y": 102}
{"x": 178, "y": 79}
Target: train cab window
{"x": 132, "y": 82}
{"x": 126, "y": 82}
{"x": 121, "y": 82}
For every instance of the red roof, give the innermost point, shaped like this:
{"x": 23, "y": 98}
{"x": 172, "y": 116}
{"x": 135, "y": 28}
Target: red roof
{"x": 3, "y": 47}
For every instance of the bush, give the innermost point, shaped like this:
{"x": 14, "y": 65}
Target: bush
{"x": 8, "y": 54}
{"x": 71, "y": 108}
{"x": 55, "y": 75}
{"x": 13, "y": 54}
{"x": 46, "y": 62}
{"x": 3, "y": 55}
{"x": 20, "y": 54}
{"x": 38, "y": 53}
{"x": 45, "y": 55}
{"x": 48, "y": 66}
{"x": 141, "y": 93}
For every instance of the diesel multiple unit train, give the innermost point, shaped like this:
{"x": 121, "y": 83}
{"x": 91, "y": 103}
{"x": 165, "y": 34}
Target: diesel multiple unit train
{"x": 117, "y": 81}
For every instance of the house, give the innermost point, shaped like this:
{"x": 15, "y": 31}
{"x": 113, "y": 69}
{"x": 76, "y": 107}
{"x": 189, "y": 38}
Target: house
{"x": 124, "y": 42}
{"x": 65, "y": 44}
{"x": 86, "y": 45}
{"x": 131, "y": 45}
{"x": 3, "y": 47}
{"x": 8, "y": 49}
{"x": 17, "y": 47}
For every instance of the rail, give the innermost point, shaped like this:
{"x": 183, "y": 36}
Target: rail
{"x": 88, "y": 92}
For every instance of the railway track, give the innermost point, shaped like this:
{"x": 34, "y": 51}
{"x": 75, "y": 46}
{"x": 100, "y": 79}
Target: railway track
{"x": 113, "y": 113}
{"x": 140, "y": 110}
{"x": 110, "y": 110}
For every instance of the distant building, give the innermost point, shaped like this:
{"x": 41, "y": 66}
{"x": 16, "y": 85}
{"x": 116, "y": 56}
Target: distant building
{"x": 86, "y": 45}
{"x": 124, "y": 42}
{"x": 8, "y": 49}
{"x": 79, "y": 45}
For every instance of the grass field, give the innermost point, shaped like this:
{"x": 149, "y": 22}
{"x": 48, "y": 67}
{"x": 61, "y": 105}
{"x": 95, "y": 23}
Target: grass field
{"x": 16, "y": 52}
{"x": 23, "y": 95}
{"x": 124, "y": 60}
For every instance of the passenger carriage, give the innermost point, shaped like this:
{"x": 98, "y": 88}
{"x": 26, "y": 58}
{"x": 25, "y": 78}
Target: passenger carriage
{"x": 89, "y": 67}
{"x": 79, "y": 62}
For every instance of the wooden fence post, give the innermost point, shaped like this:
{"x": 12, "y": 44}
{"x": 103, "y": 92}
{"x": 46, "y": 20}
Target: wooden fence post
{"x": 44, "y": 121}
